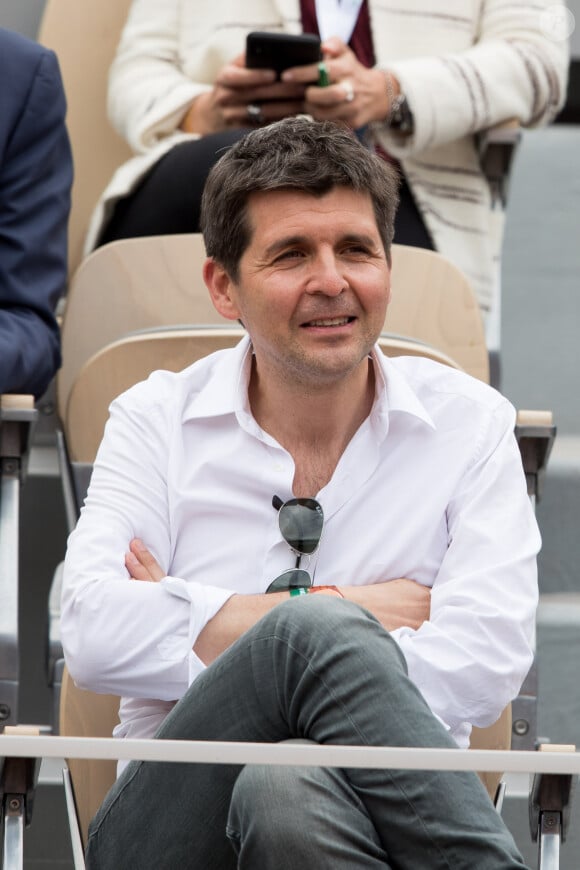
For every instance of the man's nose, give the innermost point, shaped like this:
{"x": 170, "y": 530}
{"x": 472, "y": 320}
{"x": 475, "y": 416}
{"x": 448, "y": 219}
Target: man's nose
{"x": 326, "y": 276}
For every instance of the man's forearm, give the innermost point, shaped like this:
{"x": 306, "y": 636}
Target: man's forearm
{"x": 239, "y": 613}
{"x": 394, "y": 603}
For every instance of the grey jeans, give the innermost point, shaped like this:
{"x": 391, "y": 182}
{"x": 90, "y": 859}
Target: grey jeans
{"x": 315, "y": 668}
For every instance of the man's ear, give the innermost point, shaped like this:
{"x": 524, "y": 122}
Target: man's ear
{"x": 221, "y": 289}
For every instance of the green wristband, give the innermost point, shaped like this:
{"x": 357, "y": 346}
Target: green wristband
{"x": 298, "y": 590}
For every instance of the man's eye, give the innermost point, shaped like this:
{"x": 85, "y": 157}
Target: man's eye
{"x": 356, "y": 249}
{"x": 289, "y": 255}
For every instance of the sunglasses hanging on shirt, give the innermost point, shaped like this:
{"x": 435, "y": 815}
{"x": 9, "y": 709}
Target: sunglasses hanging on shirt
{"x": 300, "y": 521}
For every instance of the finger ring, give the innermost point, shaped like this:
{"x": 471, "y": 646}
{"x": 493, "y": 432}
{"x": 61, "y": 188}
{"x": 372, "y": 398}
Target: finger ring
{"x": 255, "y": 114}
{"x": 323, "y": 78}
{"x": 348, "y": 90}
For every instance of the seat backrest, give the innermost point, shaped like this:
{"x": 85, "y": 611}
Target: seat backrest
{"x": 432, "y": 301}
{"x": 84, "y": 35}
{"x": 125, "y": 362}
{"x": 140, "y": 283}
{"x": 130, "y": 285}
{"x": 86, "y": 714}
{"x": 496, "y": 736}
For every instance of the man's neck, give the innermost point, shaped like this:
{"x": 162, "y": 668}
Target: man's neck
{"x": 314, "y": 424}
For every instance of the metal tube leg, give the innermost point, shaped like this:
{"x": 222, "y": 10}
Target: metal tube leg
{"x": 13, "y": 832}
{"x": 549, "y": 842}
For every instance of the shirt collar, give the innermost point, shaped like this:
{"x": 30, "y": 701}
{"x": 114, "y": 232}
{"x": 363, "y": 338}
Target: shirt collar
{"x": 226, "y": 391}
{"x": 394, "y": 393}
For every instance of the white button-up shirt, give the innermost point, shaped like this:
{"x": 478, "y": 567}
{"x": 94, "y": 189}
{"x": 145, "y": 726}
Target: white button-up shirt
{"x": 430, "y": 488}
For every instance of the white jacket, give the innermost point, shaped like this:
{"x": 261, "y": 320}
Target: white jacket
{"x": 465, "y": 66}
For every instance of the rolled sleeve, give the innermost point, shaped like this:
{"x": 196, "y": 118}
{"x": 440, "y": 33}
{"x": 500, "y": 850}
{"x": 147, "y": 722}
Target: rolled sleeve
{"x": 203, "y": 606}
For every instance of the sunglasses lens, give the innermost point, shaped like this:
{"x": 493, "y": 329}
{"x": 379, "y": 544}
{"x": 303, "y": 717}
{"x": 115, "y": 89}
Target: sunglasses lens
{"x": 301, "y": 521}
{"x": 291, "y": 579}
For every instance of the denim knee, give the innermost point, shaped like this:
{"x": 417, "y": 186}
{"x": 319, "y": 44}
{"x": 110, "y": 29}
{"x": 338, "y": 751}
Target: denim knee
{"x": 273, "y": 804}
{"x": 329, "y": 623}
{"x": 288, "y": 817}
{"x": 260, "y": 806}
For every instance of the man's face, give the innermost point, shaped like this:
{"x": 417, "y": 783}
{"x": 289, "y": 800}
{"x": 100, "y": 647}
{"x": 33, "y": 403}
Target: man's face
{"x": 313, "y": 285}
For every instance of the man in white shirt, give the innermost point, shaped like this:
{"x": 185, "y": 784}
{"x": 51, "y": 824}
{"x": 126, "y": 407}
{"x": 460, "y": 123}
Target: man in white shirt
{"x": 303, "y": 461}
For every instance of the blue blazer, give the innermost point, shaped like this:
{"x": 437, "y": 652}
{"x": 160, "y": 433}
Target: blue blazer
{"x": 35, "y": 183}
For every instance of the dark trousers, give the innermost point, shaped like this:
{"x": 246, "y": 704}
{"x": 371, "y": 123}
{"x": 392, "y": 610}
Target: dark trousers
{"x": 319, "y": 669}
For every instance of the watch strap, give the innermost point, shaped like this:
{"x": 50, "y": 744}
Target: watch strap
{"x": 400, "y": 116}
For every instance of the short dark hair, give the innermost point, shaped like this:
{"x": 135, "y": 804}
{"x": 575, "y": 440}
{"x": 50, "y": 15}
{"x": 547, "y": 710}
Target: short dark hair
{"x": 294, "y": 154}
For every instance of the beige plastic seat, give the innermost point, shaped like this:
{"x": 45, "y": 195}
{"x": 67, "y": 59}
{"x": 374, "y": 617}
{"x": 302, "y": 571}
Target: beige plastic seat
{"x": 125, "y": 362}
{"x": 86, "y": 714}
{"x": 85, "y": 35}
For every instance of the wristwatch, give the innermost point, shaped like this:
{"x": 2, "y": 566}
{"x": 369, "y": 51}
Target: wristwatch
{"x": 400, "y": 117}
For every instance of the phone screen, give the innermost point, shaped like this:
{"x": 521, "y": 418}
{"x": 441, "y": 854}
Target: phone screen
{"x": 279, "y": 51}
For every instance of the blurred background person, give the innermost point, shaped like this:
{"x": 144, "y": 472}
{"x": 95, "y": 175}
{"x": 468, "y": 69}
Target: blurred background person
{"x": 35, "y": 184}
{"x": 420, "y": 84}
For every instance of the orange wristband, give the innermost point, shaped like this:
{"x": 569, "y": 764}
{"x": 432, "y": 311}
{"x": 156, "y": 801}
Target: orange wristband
{"x": 328, "y": 590}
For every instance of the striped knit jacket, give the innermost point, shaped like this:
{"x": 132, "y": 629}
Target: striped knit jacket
{"x": 464, "y": 65}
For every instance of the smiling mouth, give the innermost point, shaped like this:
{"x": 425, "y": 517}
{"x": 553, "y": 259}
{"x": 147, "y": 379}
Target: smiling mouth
{"x": 329, "y": 321}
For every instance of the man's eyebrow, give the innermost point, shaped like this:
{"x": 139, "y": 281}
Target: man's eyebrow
{"x": 290, "y": 241}
{"x": 362, "y": 239}
{"x": 286, "y": 242}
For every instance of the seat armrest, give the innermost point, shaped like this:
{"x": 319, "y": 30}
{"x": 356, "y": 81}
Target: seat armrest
{"x": 551, "y": 799}
{"x": 17, "y": 418}
{"x": 19, "y": 777}
{"x": 535, "y": 433}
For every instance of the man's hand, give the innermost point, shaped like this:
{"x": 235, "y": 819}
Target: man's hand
{"x": 395, "y": 604}
{"x": 141, "y": 565}
{"x": 356, "y": 95}
{"x": 226, "y": 105}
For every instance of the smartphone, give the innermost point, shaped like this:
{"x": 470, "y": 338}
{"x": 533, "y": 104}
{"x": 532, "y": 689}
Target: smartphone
{"x": 279, "y": 51}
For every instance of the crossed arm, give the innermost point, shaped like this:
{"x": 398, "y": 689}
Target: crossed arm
{"x": 395, "y": 603}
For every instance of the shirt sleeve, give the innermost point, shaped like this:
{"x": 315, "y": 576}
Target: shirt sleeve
{"x": 470, "y": 659}
{"x": 516, "y": 68}
{"x": 123, "y": 636}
